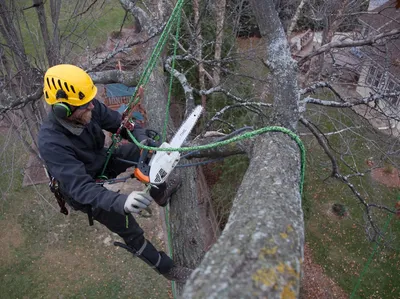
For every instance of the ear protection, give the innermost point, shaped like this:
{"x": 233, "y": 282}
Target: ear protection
{"x": 61, "y": 110}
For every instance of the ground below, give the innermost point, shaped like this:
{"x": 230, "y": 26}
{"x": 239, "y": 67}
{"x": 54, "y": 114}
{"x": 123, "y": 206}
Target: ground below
{"x": 315, "y": 283}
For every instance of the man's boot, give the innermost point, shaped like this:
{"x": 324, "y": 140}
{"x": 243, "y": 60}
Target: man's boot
{"x": 171, "y": 186}
{"x": 159, "y": 261}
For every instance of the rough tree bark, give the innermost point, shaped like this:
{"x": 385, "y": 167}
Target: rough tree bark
{"x": 220, "y": 16}
{"x": 50, "y": 52}
{"x": 188, "y": 236}
{"x": 260, "y": 251}
{"x": 295, "y": 18}
{"x": 199, "y": 49}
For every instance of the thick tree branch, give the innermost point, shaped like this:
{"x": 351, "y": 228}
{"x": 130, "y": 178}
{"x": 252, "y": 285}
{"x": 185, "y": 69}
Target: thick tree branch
{"x": 116, "y": 76}
{"x": 348, "y": 104}
{"x": 261, "y": 247}
{"x": 372, "y": 40}
{"x": 124, "y": 48}
{"x": 12, "y": 103}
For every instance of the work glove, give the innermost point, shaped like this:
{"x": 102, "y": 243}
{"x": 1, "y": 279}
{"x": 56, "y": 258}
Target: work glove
{"x": 137, "y": 201}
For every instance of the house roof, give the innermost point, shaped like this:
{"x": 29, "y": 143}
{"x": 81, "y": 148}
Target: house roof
{"x": 383, "y": 18}
{"x": 119, "y": 90}
{"x": 386, "y": 55}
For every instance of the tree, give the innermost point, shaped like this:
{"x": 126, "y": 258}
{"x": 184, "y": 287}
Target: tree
{"x": 23, "y": 65}
{"x": 260, "y": 249}
{"x": 218, "y": 267}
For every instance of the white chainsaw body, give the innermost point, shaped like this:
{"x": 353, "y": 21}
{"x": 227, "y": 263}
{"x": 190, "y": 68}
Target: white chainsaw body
{"x": 162, "y": 163}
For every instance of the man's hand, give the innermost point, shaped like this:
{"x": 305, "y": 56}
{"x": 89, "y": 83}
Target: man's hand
{"x": 137, "y": 201}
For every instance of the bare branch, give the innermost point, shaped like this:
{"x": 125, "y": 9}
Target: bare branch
{"x": 17, "y": 103}
{"x": 371, "y": 40}
{"x": 345, "y": 179}
{"x": 348, "y": 104}
{"x": 122, "y": 49}
{"x": 217, "y": 116}
{"x": 187, "y": 88}
{"x": 85, "y": 11}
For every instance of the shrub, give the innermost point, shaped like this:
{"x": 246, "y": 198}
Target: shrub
{"x": 339, "y": 209}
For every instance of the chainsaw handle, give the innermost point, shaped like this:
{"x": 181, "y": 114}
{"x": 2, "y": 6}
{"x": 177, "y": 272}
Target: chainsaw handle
{"x": 142, "y": 169}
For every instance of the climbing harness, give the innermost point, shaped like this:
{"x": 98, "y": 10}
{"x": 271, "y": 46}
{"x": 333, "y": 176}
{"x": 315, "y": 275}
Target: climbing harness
{"x": 61, "y": 200}
{"x": 53, "y": 185}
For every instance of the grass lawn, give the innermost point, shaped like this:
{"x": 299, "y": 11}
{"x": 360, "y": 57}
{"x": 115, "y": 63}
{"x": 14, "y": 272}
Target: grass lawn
{"x": 44, "y": 254}
{"x": 340, "y": 244}
{"x": 79, "y": 27}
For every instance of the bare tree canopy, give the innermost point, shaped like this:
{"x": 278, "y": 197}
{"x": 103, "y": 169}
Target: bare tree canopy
{"x": 251, "y": 65}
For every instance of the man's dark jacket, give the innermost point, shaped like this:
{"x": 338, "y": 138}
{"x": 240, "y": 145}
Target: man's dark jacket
{"x": 75, "y": 160}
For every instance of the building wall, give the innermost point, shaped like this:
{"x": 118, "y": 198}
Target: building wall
{"x": 373, "y": 78}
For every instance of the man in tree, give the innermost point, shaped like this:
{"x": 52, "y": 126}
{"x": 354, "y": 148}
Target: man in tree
{"x": 71, "y": 142}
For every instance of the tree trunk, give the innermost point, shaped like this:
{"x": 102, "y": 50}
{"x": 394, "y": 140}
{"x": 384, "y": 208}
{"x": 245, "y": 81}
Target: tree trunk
{"x": 188, "y": 236}
{"x": 295, "y": 18}
{"x": 260, "y": 251}
{"x": 199, "y": 50}
{"x": 220, "y": 16}
{"x": 47, "y": 41}
{"x": 55, "y": 9}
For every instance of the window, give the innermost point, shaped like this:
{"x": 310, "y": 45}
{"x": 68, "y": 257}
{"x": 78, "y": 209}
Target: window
{"x": 377, "y": 79}
{"x": 391, "y": 86}
{"x": 370, "y": 76}
{"x": 374, "y": 77}
{"x": 365, "y": 31}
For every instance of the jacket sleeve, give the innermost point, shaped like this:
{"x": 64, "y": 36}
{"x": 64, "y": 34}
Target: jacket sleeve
{"x": 110, "y": 120}
{"x": 71, "y": 173}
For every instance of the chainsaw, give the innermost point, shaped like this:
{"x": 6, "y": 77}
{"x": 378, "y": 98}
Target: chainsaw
{"x": 154, "y": 167}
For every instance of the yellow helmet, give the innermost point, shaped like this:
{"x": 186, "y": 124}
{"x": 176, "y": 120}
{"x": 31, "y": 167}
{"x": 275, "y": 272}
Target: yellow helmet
{"x": 74, "y": 81}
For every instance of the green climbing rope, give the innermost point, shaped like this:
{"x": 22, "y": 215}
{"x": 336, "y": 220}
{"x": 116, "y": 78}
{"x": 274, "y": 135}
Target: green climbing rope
{"x": 144, "y": 78}
{"x": 369, "y": 260}
{"x": 237, "y": 138}
{"x": 164, "y": 137}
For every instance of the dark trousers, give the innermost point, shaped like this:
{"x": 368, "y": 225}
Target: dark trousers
{"x": 125, "y": 225}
